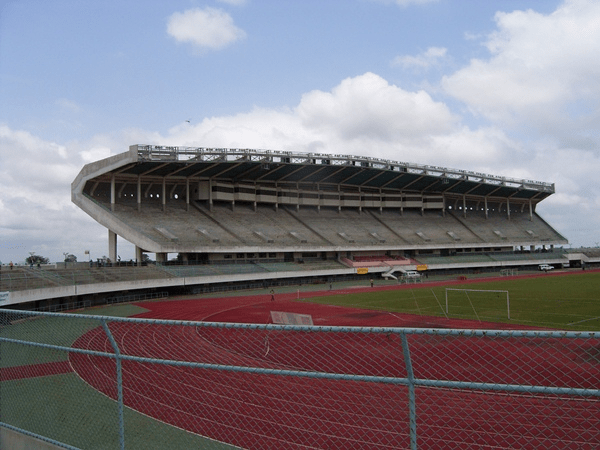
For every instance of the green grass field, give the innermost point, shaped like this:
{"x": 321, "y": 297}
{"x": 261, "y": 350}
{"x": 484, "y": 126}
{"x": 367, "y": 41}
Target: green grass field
{"x": 568, "y": 302}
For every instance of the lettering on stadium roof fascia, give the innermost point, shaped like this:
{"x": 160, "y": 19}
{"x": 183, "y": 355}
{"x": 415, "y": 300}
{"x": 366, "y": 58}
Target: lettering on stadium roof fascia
{"x": 159, "y": 153}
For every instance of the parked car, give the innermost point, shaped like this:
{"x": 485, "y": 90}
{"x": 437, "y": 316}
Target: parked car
{"x": 546, "y": 267}
{"x": 412, "y": 274}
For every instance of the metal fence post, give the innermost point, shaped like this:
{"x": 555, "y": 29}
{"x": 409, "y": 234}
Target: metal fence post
{"x": 115, "y": 347}
{"x": 412, "y": 410}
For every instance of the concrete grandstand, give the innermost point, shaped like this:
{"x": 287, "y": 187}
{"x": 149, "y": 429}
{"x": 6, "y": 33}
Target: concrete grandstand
{"x": 216, "y": 216}
{"x": 223, "y": 205}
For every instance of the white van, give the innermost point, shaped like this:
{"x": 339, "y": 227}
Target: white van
{"x": 546, "y": 267}
{"x": 412, "y": 274}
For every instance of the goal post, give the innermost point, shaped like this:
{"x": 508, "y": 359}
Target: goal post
{"x": 484, "y": 291}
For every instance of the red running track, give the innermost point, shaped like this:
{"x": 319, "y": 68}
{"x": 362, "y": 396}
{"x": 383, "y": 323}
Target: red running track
{"x": 276, "y": 412}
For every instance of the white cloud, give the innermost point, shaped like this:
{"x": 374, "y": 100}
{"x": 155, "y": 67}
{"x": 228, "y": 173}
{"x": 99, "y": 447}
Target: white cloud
{"x": 206, "y": 29}
{"x": 368, "y": 106}
{"x": 364, "y": 115}
{"x": 543, "y": 68}
{"x": 36, "y": 213}
{"x": 431, "y": 57}
{"x": 94, "y": 154}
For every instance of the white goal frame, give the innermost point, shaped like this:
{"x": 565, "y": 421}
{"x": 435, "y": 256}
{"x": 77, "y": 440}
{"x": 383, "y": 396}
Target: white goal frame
{"x": 480, "y": 290}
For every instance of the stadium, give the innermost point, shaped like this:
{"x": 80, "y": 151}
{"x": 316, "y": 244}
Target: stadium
{"x": 211, "y": 205}
{"x": 268, "y": 211}
{"x": 159, "y": 355}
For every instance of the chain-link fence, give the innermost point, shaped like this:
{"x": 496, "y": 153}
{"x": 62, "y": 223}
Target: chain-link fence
{"x": 104, "y": 382}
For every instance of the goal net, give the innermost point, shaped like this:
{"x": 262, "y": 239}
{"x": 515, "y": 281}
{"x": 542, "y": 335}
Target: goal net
{"x": 481, "y": 304}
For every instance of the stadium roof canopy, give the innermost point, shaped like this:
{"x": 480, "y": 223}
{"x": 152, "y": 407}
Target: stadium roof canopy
{"x": 282, "y": 167}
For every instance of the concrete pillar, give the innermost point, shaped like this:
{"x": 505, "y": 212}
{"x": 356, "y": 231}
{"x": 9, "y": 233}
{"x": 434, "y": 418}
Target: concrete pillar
{"x": 210, "y": 200}
{"x": 112, "y": 245}
{"x": 508, "y": 208}
{"x": 187, "y": 194}
{"x": 139, "y": 193}
{"x": 112, "y": 193}
{"x": 138, "y": 255}
{"x": 485, "y": 207}
{"x": 164, "y": 194}
{"x": 161, "y": 257}
{"x": 530, "y": 211}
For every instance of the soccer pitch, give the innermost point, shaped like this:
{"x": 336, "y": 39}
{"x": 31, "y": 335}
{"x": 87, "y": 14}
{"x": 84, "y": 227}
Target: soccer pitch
{"x": 565, "y": 301}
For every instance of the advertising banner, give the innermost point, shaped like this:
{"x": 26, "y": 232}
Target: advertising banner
{"x": 4, "y": 298}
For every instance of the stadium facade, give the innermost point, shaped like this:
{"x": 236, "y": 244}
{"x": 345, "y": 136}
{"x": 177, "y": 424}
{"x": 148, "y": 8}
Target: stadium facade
{"x": 215, "y": 205}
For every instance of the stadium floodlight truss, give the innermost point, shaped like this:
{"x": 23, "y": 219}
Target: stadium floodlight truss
{"x": 466, "y": 291}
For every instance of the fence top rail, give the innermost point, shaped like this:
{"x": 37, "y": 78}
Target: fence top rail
{"x": 562, "y": 334}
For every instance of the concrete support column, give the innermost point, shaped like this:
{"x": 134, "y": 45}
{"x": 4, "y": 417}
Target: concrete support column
{"x": 508, "y": 208}
{"x": 161, "y": 257}
{"x": 530, "y": 211}
{"x": 112, "y": 245}
{"x": 210, "y": 200}
{"x": 360, "y": 201}
{"x": 139, "y": 193}
{"x": 187, "y": 194}
{"x": 112, "y": 193}
{"x": 138, "y": 255}
{"x": 465, "y": 206}
{"x": 485, "y": 206}
{"x": 164, "y": 194}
